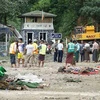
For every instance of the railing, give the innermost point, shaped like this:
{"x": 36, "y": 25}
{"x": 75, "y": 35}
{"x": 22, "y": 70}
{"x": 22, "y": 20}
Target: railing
{"x": 44, "y": 26}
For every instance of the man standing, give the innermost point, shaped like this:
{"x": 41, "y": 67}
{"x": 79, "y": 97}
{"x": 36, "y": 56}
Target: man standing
{"x": 21, "y": 46}
{"x": 95, "y": 50}
{"x": 70, "y": 54}
{"x": 35, "y": 52}
{"x": 60, "y": 51}
{"x": 42, "y": 52}
{"x": 12, "y": 51}
{"x": 55, "y": 49}
{"x": 77, "y": 49}
{"x": 29, "y": 51}
{"x": 82, "y": 51}
{"x": 87, "y": 52}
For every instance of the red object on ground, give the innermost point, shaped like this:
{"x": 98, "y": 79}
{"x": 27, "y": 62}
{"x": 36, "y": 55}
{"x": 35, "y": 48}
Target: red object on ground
{"x": 98, "y": 67}
{"x": 95, "y": 72}
{"x": 88, "y": 73}
{"x": 75, "y": 72}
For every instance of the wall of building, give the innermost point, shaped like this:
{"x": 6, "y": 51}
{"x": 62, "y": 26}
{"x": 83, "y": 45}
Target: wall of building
{"x": 39, "y": 20}
{"x": 36, "y": 26}
{"x": 45, "y": 20}
{"x": 36, "y": 34}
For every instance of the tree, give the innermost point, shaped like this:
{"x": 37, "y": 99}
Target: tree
{"x": 11, "y": 9}
{"x": 5, "y": 7}
{"x": 91, "y": 9}
{"x": 70, "y": 13}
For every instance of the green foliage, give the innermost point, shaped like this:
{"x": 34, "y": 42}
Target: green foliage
{"x": 68, "y": 23}
{"x": 42, "y": 4}
{"x": 67, "y": 11}
{"x": 12, "y": 39}
{"x": 91, "y": 9}
{"x": 11, "y": 9}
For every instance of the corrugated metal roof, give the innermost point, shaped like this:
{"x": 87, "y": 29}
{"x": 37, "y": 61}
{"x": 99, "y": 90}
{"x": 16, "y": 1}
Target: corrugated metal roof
{"x": 37, "y": 14}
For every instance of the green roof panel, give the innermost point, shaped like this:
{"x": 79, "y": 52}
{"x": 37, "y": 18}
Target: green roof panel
{"x": 37, "y": 14}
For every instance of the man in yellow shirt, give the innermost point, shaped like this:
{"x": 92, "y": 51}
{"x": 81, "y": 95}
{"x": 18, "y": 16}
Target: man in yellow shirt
{"x": 35, "y": 52}
{"x": 12, "y": 52}
{"x": 42, "y": 52}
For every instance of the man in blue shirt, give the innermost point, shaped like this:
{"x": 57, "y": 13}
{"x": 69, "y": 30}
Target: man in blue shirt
{"x": 82, "y": 51}
{"x": 77, "y": 49}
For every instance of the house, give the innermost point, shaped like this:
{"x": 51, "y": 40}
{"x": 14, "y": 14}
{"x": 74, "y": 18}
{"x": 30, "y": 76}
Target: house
{"x": 37, "y": 25}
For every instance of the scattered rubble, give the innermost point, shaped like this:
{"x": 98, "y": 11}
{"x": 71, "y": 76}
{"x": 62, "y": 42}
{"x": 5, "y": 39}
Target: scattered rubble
{"x": 76, "y": 80}
{"x": 79, "y": 70}
{"x": 20, "y": 82}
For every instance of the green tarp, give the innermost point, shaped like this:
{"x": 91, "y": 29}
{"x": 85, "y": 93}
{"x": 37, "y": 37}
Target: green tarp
{"x": 2, "y": 71}
{"x": 28, "y": 84}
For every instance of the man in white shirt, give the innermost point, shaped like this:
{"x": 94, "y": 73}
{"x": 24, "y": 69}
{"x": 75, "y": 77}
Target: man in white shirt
{"x": 87, "y": 52}
{"x": 87, "y": 45}
{"x": 60, "y": 51}
{"x": 29, "y": 51}
{"x": 95, "y": 50}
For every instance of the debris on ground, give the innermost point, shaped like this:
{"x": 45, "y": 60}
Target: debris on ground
{"x": 73, "y": 80}
{"x": 79, "y": 70}
{"x": 30, "y": 80}
{"x": 20, "y": 82}
{"x": 2, "y": 71}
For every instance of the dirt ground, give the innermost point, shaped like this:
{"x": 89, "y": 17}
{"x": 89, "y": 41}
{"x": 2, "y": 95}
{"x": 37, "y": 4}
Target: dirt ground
{"x": 59, "y": 89}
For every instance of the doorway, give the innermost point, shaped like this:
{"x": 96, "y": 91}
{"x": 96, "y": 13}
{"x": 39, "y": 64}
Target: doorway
{"x": 43, "y": 36}
{"x": 29, "y": 37}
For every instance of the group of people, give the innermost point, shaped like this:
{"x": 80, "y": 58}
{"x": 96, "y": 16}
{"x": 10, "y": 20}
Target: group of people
{"x": 76, "y": 50}
{"x": 28, "y": 54}
{"x": 34, "y": 54}
{"x": 83, "y": 49}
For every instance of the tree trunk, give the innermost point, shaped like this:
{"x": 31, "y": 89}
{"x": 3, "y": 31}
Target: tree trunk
{"x": 5, "y": 19}
{"x": 96, "y": 24}
{"x": 1, "y": 18}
